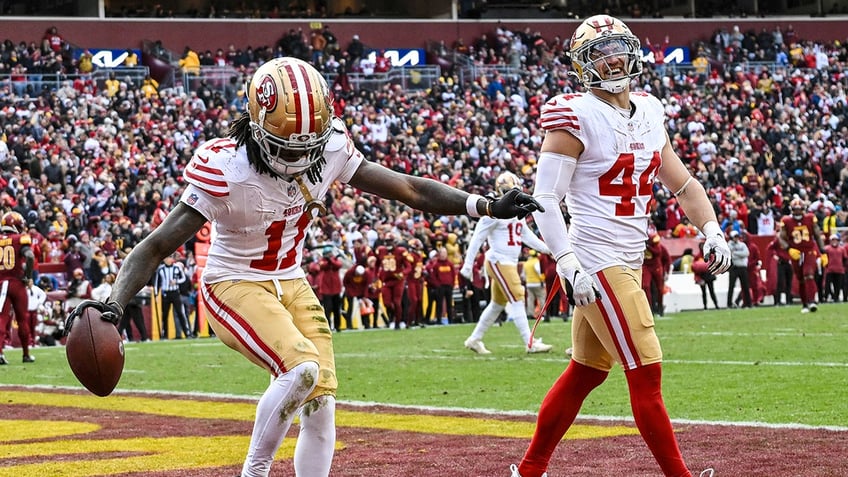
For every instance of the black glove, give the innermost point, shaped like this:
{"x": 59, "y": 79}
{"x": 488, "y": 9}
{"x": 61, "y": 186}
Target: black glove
{"x": 109, "y": 311}
{"x": 514, "y": 203}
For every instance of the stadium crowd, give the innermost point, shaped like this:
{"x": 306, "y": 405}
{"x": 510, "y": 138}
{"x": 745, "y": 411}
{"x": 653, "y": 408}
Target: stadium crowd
{"x": 95, "y": 166}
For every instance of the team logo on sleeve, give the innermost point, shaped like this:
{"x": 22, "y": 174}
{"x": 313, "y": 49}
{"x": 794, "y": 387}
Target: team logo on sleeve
{"x": 266, "y": 93}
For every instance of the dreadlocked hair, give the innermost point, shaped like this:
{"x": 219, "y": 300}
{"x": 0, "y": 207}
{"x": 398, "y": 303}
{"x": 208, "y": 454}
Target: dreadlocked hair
{"x": 241, "y": 134}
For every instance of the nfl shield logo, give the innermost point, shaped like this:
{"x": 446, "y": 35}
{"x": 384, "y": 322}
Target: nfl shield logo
{"x": 192, "y": 199}
{"x": 291, "y": 189}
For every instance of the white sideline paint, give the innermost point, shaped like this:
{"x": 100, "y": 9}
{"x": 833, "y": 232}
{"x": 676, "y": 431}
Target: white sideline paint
{"x": 555, "y": 359}
{"x": 491, "y": 412}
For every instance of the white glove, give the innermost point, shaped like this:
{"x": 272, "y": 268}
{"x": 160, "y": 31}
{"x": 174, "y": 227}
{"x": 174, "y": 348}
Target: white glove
{"x": 578, "y": 284}
{"x": 716, "y": 250}
{"x": 466, "y": 271}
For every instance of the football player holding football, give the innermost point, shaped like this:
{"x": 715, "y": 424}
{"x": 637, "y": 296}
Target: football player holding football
{"x": 602, "y": 152}
{"x": 261, "y": 187}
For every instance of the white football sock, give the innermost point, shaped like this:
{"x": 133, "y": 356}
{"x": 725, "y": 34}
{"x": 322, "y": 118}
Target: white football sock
{"x": 274, "y": 414}
{"x": 487, "y": 319}
{"x": 313, "y": 454}
{"x": 518, "y": 314}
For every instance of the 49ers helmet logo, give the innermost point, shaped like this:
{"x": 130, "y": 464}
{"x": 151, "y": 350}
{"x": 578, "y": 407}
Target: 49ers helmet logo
{"x": 266, "y": 93}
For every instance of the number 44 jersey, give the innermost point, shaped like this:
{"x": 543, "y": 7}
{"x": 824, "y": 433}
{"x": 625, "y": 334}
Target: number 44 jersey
{"x": 609, "y": 197}
{"x": 259, "y": 222}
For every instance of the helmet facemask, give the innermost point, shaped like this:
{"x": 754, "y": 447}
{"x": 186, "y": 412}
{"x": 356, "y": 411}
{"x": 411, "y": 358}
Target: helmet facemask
{"x": 286, "y": 157}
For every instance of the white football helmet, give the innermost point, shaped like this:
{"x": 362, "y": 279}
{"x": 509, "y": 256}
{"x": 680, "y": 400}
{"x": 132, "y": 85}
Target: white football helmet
{"x": 506, "y": 182}
{"x": 599, "y": 41}
{"x": 290, "y": 112}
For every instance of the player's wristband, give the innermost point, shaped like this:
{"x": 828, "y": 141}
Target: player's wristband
{"x": 471, "y": 204}
{"x": 711, "y": 228}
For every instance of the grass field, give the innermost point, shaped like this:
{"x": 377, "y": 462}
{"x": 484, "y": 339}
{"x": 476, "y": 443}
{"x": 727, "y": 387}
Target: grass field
{"x": 768, "y": 365}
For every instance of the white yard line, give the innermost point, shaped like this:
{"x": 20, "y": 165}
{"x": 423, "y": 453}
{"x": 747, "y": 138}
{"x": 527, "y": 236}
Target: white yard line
{"x": 491, "y": 412}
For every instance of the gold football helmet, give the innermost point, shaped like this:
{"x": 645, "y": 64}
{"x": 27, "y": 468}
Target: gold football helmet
{"x": 605, "y": 53}
{"x": 506, "y": 182}
{"x": 290, "y": 114}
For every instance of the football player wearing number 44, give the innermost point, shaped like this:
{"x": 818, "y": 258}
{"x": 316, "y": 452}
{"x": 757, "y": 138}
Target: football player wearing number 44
{"x": 261, "y": 187}
{"x": 603, "y": 150}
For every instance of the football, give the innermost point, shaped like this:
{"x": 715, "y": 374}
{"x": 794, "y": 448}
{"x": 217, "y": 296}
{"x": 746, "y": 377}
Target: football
{"x": 95, "y": 352}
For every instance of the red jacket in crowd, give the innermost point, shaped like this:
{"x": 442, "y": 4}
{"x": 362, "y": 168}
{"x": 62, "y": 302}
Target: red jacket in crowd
{"x": 356, "y": 281}
{"x": 441, "y": 272}
{"x": 330, "y": 281}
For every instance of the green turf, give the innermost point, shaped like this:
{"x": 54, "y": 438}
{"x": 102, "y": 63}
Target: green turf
{"x": 767, "y": 364}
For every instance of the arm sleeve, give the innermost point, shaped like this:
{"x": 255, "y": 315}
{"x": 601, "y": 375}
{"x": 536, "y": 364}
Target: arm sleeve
{"x": 480, "y": 234}
{"x": 530, "y": 239}
{"x": 553, "y": 178}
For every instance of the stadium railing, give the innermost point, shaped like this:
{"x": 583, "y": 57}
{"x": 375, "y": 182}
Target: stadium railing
{"x": 31, "y": 83}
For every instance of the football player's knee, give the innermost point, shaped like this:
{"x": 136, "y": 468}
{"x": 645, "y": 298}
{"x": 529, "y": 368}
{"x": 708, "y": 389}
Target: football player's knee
{"x": 307, "y": 375}
{"x": 515, "y": 309}
{"x": 319, "y": 414}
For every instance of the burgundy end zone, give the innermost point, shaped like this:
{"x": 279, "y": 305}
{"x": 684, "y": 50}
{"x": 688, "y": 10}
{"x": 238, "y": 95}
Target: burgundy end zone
{"x": 733, "y": 451}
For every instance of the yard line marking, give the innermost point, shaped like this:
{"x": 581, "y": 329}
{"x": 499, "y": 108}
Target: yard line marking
{"x": 446, "y": 354}
{"x": 484, "y": 411}
{"x": 797, "y": 333}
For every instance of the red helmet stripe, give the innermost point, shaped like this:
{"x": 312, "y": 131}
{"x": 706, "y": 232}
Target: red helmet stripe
{"x": 297, "y": 95}
{"x": 310, "y": 99}
{"x": 303, "y": 98}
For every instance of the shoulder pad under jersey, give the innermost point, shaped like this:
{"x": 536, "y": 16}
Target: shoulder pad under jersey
{"x": 215, "y": 164}
{"x": 562, "y": 112}
{"x": 340, "y": 137}
{"x": 648, "y": 101}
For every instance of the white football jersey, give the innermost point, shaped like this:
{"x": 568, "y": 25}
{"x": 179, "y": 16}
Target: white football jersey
{"x": 505, "y": 238}
{"x": 611, "y": 191}
{"x": 259, "y": 222}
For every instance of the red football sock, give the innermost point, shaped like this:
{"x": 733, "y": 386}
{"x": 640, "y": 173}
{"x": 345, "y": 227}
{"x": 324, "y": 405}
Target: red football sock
{"x": 652, "y": 418}
{"x": 557, "y": 413}
{"x": 812, "y": 289}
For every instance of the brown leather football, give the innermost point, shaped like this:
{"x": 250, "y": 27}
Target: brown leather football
{"x": 95, "y": 352}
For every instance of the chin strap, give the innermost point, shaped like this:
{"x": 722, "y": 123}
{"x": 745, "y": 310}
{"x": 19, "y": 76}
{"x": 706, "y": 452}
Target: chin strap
{"x": 311, "y": 203}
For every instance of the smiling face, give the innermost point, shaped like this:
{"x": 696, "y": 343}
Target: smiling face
{"x": 605, "y": 54}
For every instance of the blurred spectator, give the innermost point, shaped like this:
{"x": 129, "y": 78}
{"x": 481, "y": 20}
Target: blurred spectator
{"x": 331, "y": 288}
{"x": 655, "y": 269}
{"x": 79, "y": 289}
{"x": 738, "y": 271}
{"x": 834, "y": 273}
{"x": 534, "y": 284}
{"x": 442, "y": 275}
{"x": 190, "y": 62}
{"x": 356, "y": 281}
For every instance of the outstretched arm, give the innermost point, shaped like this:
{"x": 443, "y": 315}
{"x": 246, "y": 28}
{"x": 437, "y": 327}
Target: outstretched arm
{"x": 434, "y": 197}
{"x": 175, "y": 230}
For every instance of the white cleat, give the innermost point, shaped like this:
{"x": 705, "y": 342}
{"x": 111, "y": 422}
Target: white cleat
{"x": 569, "y": 352}
{"x": 477, "y": 346}
{"x": 514, "y": 469}
{"x": 707, "y": 473}
{"x": 805, "y": 310}
{"x": 539, "y": 347}
{"x": 814, "y": 307}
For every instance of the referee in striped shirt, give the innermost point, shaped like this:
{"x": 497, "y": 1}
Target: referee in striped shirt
{"x": 167, "y": 281}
